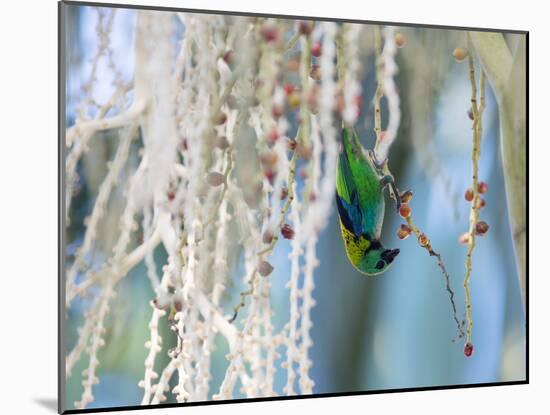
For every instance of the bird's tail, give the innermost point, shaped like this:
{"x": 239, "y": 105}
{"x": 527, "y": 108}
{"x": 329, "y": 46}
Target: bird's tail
{"x": 350, "y": 142}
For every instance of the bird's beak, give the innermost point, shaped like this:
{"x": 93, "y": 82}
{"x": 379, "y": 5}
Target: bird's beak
{"x": 389, "y": 255}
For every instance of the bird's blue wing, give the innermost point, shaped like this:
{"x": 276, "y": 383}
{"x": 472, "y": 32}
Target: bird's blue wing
{"x": 347, "y": 199}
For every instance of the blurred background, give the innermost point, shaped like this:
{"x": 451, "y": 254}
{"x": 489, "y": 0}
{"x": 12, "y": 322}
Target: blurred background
{"x": 391, "y": 331}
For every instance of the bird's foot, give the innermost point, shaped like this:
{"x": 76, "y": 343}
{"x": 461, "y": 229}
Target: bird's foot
{"x": 379, "y": 165}
{"x": 388, "y": 180}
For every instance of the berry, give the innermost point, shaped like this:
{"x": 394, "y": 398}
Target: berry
{"x": 270, "y": 33}
{"x": 228, "y": 57}
{"x": 291, "y": 144}
{"x": 482, "y": 187}
{"x": 294, "y": 100}
{"x": 403, "y": 232}
{"x": 400, "y": 39}
{"x": 469, "y": 195}
{"x": 183, "y": 144}
{"x": 267, "y": 237}
{"x": 315, "y": 72}
{"x": 273, "y": 135}
{"x": 305, "y": 28}
{"x": 470, "y": 114}
{"x": 265, "y": 268}
{"x": 406, "y": 196}
{"x": 316, "y": 49}
{"x": 221, "y": 142}
{"x": 220, "y": 118}
{"x": 270, "y": 175}
{"x": 289, "y": 88}
{"x": 304, "y": 152}
{"x": 480, "y": 203}
{"x": 287, "y": 231}
{"x": 459, "y": 54}
{"x": 215, "y": 179}
{"x": 277, "y": 111}
{"x": 464, "y": 238}
{"x": 405, "y": 210}
{"x": 468, "y": 349}
{"x": 171, "y": 195}
{"x": 293, "y": 65}
{"x": 423, "y": 240}
{"x": 269, "y": 158}
{"x": 481, "y": 228}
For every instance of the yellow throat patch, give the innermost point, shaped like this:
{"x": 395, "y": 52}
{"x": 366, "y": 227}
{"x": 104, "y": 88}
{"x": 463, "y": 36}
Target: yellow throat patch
{"x": 355, "y": 245}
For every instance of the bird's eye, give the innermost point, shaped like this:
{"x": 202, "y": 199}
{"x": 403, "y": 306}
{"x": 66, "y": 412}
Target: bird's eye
{"x": 380, "y": 264}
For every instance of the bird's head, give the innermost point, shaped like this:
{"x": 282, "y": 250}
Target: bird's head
{"x": 377, "y": 260}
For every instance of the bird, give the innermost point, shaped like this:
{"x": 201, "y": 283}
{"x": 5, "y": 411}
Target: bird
{"x": 360, "y": 184}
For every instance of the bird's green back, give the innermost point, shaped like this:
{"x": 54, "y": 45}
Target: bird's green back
{"x": 358, "y": 184}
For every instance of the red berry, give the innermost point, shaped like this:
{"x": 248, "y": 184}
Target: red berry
{"x": 287, "y": 231}
{"x": 316, "y": 49}
{"x": 289, "y": 88}
{"x": 482, "y": 187}
{"x": 270, "y": 33}
{"x": 291, "y": 144}
{"x": 403, "y": 232}
{"x": 481, "y": 228}
{"x": 405, "y": 210}
{"x": 469, "y": 195}
{"x": 228, "y": 57}
{"x": 270, "y": 175}
{"x": 468, "y": 349}
{"x": 480, "y": 203}
{"x": 171, "y": 195}
{"x": 305, "y": 28}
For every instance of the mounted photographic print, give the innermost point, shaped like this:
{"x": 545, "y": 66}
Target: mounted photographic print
{"x": 259, "y": 207}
